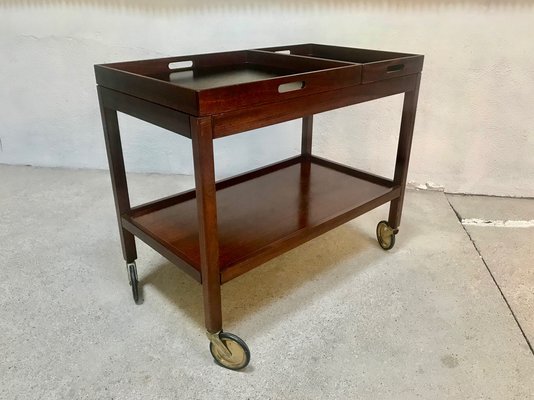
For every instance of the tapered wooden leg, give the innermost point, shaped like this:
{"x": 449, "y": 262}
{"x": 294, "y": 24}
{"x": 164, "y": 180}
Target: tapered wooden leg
{"x": 118, "y": 175}
{"x": 403, "y": 152}
{"x": 201, "y": 135}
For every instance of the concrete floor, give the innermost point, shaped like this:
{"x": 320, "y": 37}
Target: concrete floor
{"x": 336, "y": 318}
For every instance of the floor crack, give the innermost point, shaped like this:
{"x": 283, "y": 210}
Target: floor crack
{"x": 492, "y": 276}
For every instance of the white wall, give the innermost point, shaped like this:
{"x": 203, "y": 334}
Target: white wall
{"x": 475, "y": 125}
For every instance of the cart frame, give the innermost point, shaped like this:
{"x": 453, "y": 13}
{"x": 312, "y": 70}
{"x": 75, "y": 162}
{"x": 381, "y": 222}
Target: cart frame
{"x": 203, "y": 130}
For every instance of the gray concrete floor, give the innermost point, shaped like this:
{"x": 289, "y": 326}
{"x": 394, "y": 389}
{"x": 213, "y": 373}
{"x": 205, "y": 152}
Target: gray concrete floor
{"x": 446, "y": 314}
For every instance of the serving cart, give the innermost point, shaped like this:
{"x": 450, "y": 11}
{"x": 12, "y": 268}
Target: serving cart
{"x": 222, "y": 229}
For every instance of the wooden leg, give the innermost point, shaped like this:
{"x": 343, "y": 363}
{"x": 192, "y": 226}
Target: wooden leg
{"x": 118, "y": 175}
{"x": 305, "y": 169}
{"x": 403, "y": 152}
{"x": 202, "y": 138}
{"x": 307, "y": 129}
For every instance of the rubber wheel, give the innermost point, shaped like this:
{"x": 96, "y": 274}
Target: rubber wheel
{"x": 386, "y": 238}
{"x": 132, "y": 271}
{"x": 239, "y": 349}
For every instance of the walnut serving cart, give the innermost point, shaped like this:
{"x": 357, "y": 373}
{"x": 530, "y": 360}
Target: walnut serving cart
{"x": 222, "y": 229}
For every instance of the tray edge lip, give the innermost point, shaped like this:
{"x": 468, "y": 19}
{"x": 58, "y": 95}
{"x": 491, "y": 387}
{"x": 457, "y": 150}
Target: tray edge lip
{"x": 343, "y": 47}
{"x": 199, "y": 93}
{"x": 264, "y": 49}
{"x": 112, "y": 67}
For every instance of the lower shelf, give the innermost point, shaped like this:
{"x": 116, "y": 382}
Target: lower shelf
{"x": 262, "y": 213}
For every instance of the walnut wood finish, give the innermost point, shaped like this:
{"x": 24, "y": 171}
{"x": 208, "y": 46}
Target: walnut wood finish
{"x": 164, "y": 117}
{"x": 207, "y": 235}
{"x": 112, "y": 138}
{"x": 266, "y": 213}
{"x": 258, "y": 116}
{"x": 220, "y": 230}
{"x": 150, "y": 80}
{"x": 190, "y": 194}
{"x": 377, "y": 65}
{"x": 409, "y": 109}
{"x": 307, "y": 130}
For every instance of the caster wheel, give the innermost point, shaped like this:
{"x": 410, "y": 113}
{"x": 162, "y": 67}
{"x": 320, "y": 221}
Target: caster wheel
{"x": 239, "y": 356}
{"x": 385, "y": 235}
{"x": 132, "y": 277}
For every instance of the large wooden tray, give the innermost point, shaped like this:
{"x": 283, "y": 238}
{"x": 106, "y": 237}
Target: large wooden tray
{"x": 214, "y": 83}
{"x": 210, "y": 84}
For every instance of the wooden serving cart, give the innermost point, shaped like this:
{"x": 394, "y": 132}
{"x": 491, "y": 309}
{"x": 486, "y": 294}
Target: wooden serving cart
{"x": 222, "y": 229}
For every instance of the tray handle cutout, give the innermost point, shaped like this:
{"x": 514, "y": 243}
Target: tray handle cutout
{"x": 283, "y": 51}
{"x": 180, "y": 65}
{"x": 291, "y": 86}
{"x": 395, "y": 68}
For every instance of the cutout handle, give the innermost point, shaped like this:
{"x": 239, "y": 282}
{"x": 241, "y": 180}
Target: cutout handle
{"x": 283, "y": 51}
{"x": 395, "y": 68}
{"x": 290, "y": 86}
{"x": 180, "y": 64}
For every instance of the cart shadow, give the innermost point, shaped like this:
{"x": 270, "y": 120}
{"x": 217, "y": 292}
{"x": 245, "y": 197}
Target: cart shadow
{"x": 245, "y": 296}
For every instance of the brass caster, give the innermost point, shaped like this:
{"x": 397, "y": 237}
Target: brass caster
{"x": 385, "y": 235}
{"x": 228, "y": 350}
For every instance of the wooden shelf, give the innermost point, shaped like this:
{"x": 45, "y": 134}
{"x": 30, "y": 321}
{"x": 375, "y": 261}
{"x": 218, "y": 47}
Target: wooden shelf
{"x": 261, "y": 213}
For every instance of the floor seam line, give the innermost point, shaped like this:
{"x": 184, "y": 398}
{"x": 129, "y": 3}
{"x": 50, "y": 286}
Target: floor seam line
{"x": 498, "y": 196}
{"x": 492, "y": 277}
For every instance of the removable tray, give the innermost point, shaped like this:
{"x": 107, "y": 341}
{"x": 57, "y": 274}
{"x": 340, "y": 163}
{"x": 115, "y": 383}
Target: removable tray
{"x": 210, "y": 84}
{"x": 376, "y": 65}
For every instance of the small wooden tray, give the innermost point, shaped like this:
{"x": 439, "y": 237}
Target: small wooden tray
{"x": 376, "y": 65}
{"x": 210, "y": 84}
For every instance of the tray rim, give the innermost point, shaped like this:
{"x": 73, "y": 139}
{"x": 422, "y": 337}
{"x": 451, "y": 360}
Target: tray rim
{"x": 113, "y": 66}
{"x": 287, "y": 47}
{"x": 323, "y": 75}
{"x": 268, "y": 49}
